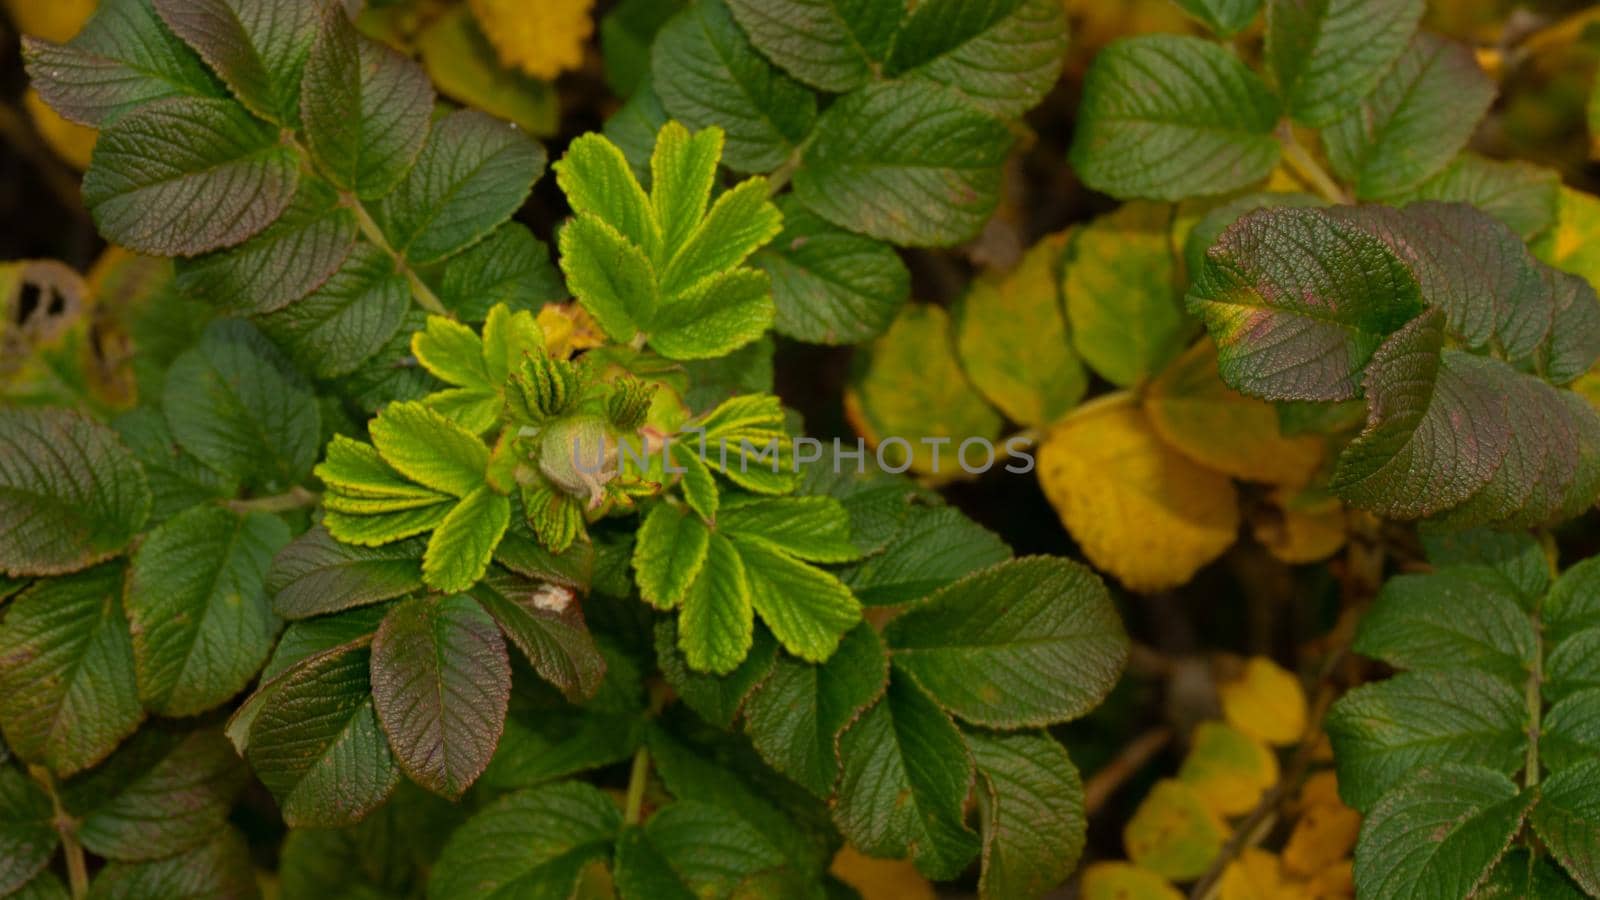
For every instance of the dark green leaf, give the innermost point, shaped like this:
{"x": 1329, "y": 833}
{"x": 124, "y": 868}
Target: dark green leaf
{"x": 1449, "y": 619}
{"x": 1225, "y": 17}
{"x": 1002, "y": 55}
{"x": 932, "y": 549}
{"x": 1520, "y": 194}
{"x": 1329, "y": 54}
{"x": 219, "y": 868}
{"x": 1520, "y": 875}
{"x": 315, "y": 574}
{"x": 510, "y": 266}
{"x": 177, "y": 480}
{"x": 716, "y": 698}
{"x": 695, "y": 849}
{"x": 830, "y": 286}
{"x": 28, "y": 836}
{"x": 258, "y": 49}
{"x": 348, "y": 319}
{"x": 533, "y": 843}
{"x": 1033, "y": 816}
{"x": 832, "y": 45}
{"x": 1571, "y": 730}
{"x": 545, "y": 622}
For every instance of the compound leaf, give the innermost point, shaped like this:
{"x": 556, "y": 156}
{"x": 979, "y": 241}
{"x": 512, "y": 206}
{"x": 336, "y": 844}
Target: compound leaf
{"x": 258, "y": 49}
{"x": 532, "y": 843}
{"x": 1329, "y": 54}
{"x": 1567, "y": 819}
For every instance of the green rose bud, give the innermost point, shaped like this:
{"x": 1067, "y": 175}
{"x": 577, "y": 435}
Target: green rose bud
{"x": 578, "y": 454}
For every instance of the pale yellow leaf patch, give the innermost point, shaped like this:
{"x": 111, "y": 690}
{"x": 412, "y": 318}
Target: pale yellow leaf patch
{"x": 464, "y": 67}
{"x": 1124, "y": 881}
{"x": 69, "y": 140}
{"x": 1573, "y": 243}
{"x": 880, "y": 879}
{"x": 1300, "y": 527}
{"x": 1265, "y": 701}
{"x": 544, "y": 42}
{"x": 1227, "y": 768}
{"x": 1140, "y": 510}
{"x": 1173, "y": 833}
{"x": 1256, "y": 875}
{"x": 1324, "y": 832}
{"x": 1216, "y": 426}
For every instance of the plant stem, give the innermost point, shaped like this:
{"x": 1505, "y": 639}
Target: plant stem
{"x": 638, "y": 777}
{"x": 424, "y": 295}
{"x": 1533, "y": 698}
{"x": 67, "y": 828}
{"x": 295, "y": 498}
{"x": 1307, "y": 168}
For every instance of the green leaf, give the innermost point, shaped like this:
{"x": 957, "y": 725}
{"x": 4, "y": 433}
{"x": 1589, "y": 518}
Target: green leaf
{"x": 1027, "y": 643}
{"x": 706, "y": 73}
{"x": 466, "y": 67}
{"x": 177, "y": 480}
{"x": 547, "y": 743}
{"x": 68, "y": 693}
{"x": 1440, "y": 834}
{"x": 162, "y": 793}
{"x": 70, "y": 493}
{"x": 440, "y": 684}
{"x": 1383, "y": 732}
{"x": 348, "y": 319}
{"x": 830, "y": 286}
{"x": 1573, "y": 604}
{"x": 258, "y": 49}
{"x": 1522, "y": 195}
{"x": 1219, "y": 215}
{"x": 243, "y": 409}
{"x": 1289, "y": 327}
{"x": 365, "y": 108}
{"x": 721, "y": 437}
{"x": 908, "y": 391}
{"x": 1520, "y": 875}
{"x": 815, "y": 529}
{"x": 905, "y": 162}
{"x": 1567, "y": 819}
{"x": 714, "y": 629}
{"x": 808, "y": 609}
{"x": 1570, "y": 666}
{"x": 934, "y": 548}
{"x": 1571, "y": 730}
{"x": 633, "y": 128}
{"x": 719, "y": 315}
{"x": 692, "y": 849}
{"x": 460, "y": 550}
{"x": 1166, "y": 117}
{"x": 739, "y": 221}
{"x": 716, "y": 698}
{"x": 611, "y": 277}
{"x": 1225, "y": 17}
{"x": 294, "y": 256}
{"x": 832, "y": 45}
{"x": 534, "y": 843}
{"x": 196, "y": 602}
{"x": 1516, "y": 557}
{"x": 472, "y": 174}
{"x": 1414, "y": 122}
{"x": 308, "y": 637}
{"x": 315, "y": 743}
{"x": 430, "y": 449}
{"x": 219, "y": 868}
{"x": 1449, "y": 619}
{"x": 1002, "y": 55}
{"x": 389, "y": 376}
{"x": 1127, "y": 319}
{"x": 670, "y": 552}
{"x": 796, "y": 715}
{"x": 510, "y": 267}
{"x": 1033, "y": 815}
{"x": 546, "y": 623}
{"x": 1329, "y": 54}
{"x": 122, "y": 59}
{"x": 1012, "y": 339}
{"x": 28, "y": 837}
{"x": 906, "y": 775}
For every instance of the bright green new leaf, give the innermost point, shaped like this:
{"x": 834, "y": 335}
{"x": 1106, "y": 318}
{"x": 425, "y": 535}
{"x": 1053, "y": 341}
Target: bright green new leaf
{"x": 906, "y": 162}
{"x": 715, "y": 626}
{"x": 1127, "y": 319}
{"x": 1329, "y": 54}
{"x": 1166, "y": 117}
{"x": 463, "y": 544}
{"x": 1414, "y": 122}
{"x": 70, "y": 493}
{"x": 1027, "y": 643}
{"x": 441, "y": 681}
{"x": 808, "y": 609}
{"x": 533, "y": 843}
{"x": 744, "y": 438}
{"x": 832, "y": 45}
{"x": 1002, "y": 55}
{"x": 197, "y": 604}
{"x": 258, "y": 49}
{"x": 426, "y": 447}
{"x": 68, "y": 692}
{"x": 815, "y": 529}
{"x": 906, "y": 774}
{"x": 185, "y": 175}
{"x": 669, "y": 552}
{"x": 1033, "y": 819}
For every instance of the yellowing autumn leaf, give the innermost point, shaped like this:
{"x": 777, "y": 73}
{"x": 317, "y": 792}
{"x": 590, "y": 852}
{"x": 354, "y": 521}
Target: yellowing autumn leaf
{"x": 53, "y": 20}
{"x": 1300, "y": 527}
{"x": 1227, "y": 768}
{"x": 543, "y": 40}
{"x": 568, "y": 328}
{"x": 1324, "y": 832}
{"x": 1265, "y": 701}
{"x": 1256, "y": 875}
{"x": 1573, "y": 243}
{"x": 1173, "y": 833}
{"x": 1139, "y": 509}
{"x": 1124, "y": 881}
{"x": 69, "y": 140}
{"x": 1337, "y": 882}
{"x": 464, "y": 67}
{"x": 880, "y": 879}
{"x": 1216, "y": 426}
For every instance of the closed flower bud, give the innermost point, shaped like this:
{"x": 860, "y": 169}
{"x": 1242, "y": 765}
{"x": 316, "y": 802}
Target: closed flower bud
{"x": 578, "y": 455}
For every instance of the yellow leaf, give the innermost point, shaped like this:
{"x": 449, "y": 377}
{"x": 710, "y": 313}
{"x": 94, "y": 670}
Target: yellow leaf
{"x": 1139, "y": 509}
{"x": 53, "y": 20}
{"x": 1214, "y": 425}
{"x": 1012, "y": 339}
{"x": 1336, "y": 882}
{"x": 1124, "y": 881}
{"x": 1256, "y": 875}
{"x": 1300, "y": 528}
{"x": 567, "y": 329}
{"x": 542, "y": 43}
{"x": 1227, "y": 768}
{"x": 1265, "y": 701}
{"x": 1573, "y": 243}
{"x": 70, "y": 141}
{"x": 909, "y": 396}
{"x": 463, "y": 66}
{"x": 1173, "y": 833}
{"x": 1326, "y": 830}
{"x": 880, "y": 879}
